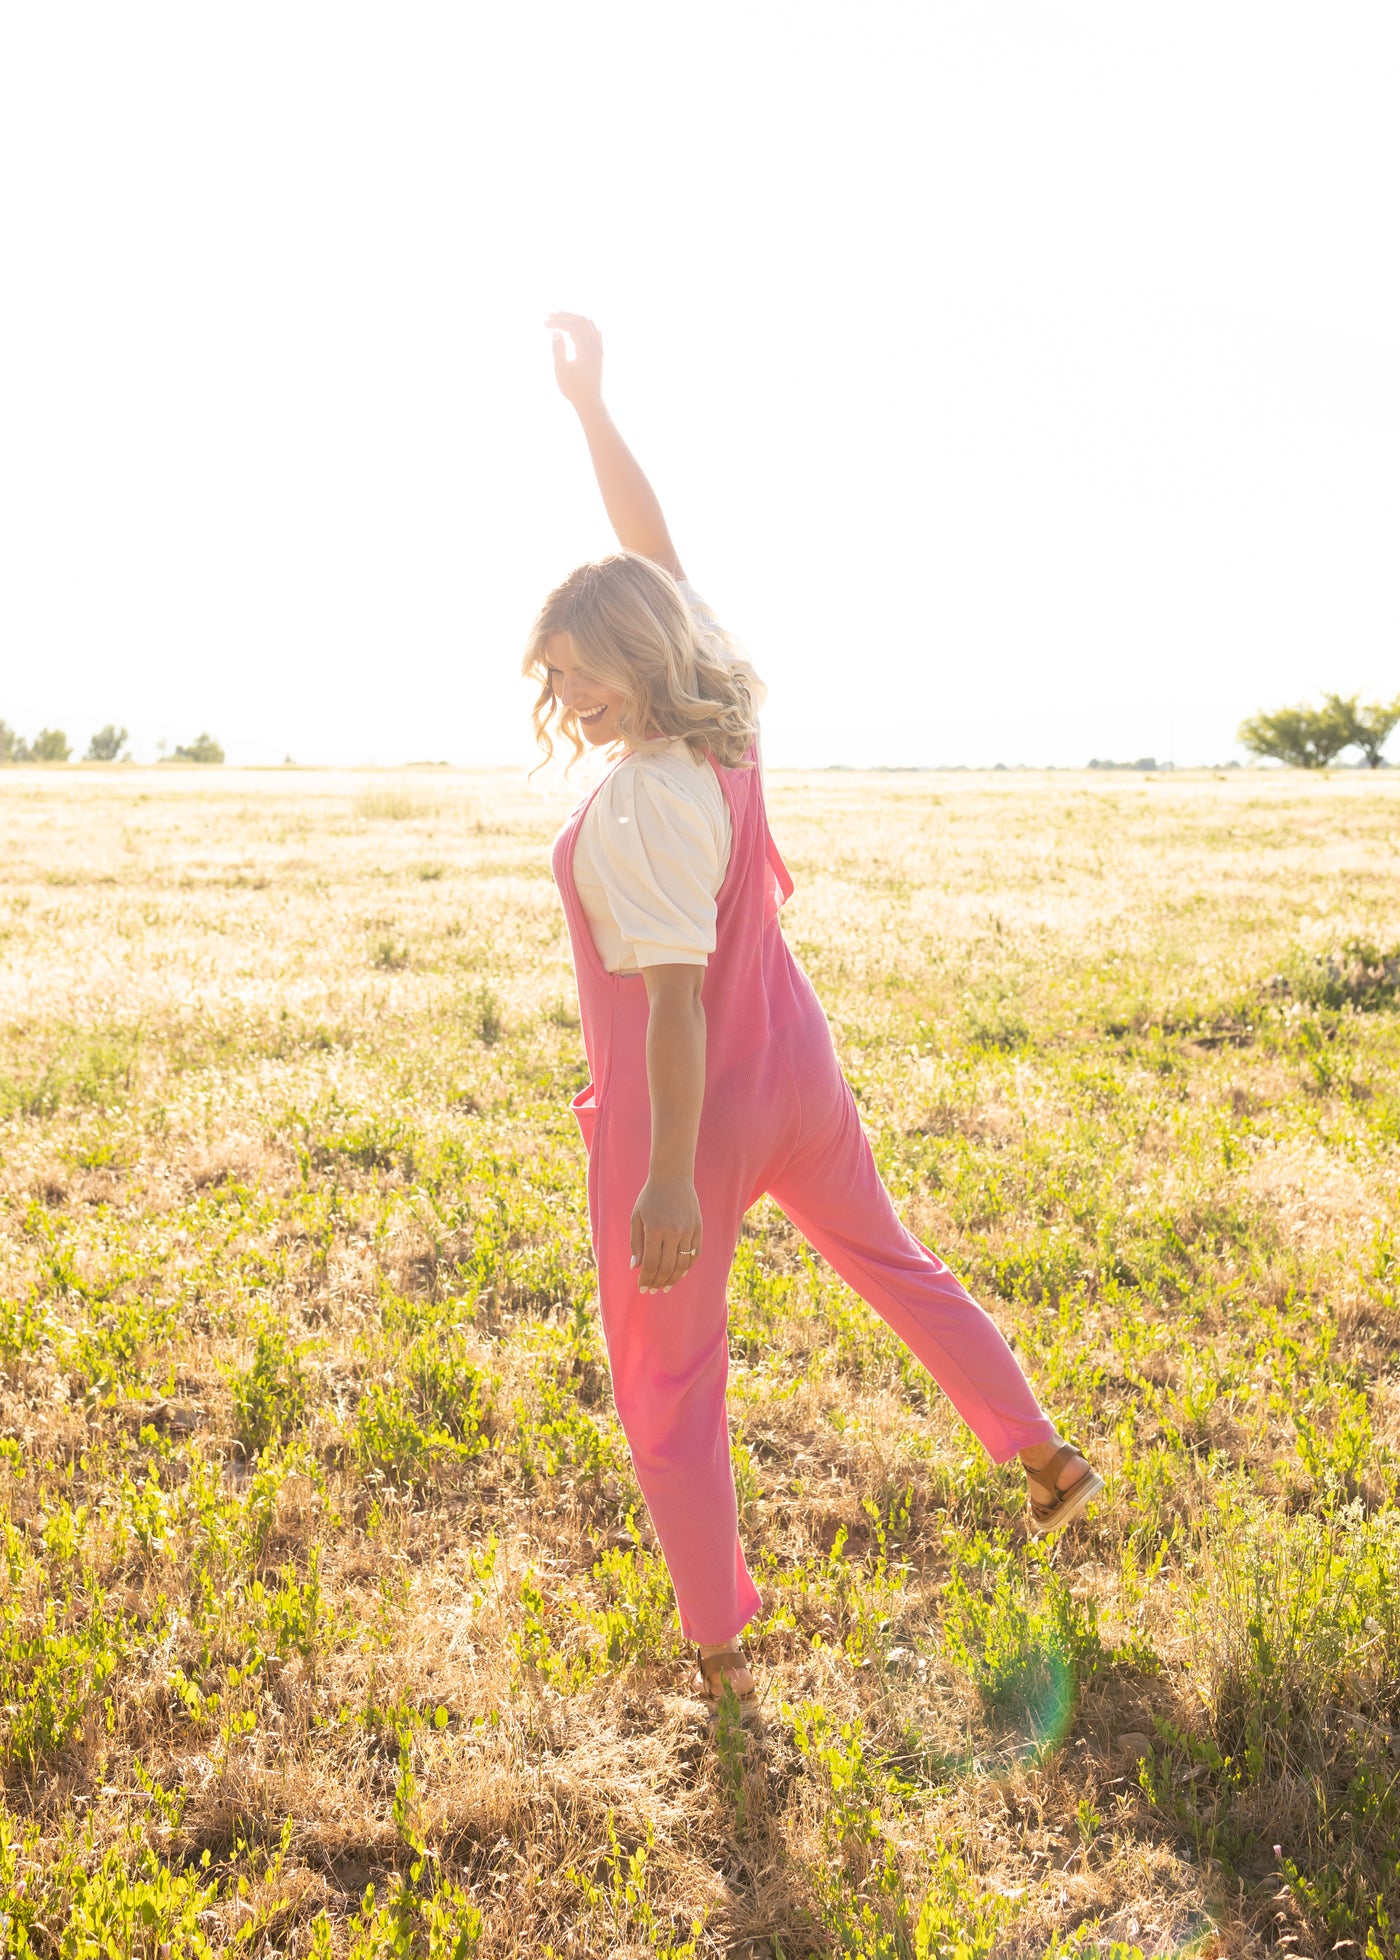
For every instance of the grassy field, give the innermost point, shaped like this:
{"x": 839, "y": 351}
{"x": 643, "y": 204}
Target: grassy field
{"x": 331, "y": 1621}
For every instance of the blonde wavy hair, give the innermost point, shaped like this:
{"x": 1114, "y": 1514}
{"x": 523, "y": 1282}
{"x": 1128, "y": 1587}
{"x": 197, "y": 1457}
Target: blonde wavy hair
{"x": 632, "y": 630}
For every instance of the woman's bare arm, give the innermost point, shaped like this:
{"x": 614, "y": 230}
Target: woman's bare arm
{"x": 666, "y": 1217}
{"x": 631, "y": 503}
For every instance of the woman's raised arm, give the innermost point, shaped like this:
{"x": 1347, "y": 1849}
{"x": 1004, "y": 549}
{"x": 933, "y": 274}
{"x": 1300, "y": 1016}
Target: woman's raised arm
{"x": 630, "y": 501}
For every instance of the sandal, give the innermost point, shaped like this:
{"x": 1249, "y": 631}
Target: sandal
{"x": 1064, "y": 1505}
{"x": 713, "y": 1669}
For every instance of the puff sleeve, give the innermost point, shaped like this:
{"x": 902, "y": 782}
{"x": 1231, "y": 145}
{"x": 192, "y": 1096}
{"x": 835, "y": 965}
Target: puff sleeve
{"x": 660, "y": 857}
{"x": 704, "y": 617}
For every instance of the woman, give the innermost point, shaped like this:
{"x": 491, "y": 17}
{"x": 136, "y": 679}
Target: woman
{"x": 714, "y": 1078}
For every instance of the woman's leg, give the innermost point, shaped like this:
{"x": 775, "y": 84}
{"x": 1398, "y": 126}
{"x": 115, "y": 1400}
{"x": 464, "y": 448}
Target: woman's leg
{"x": 669, "y": 1358}
{"x": 832, "y": 1192}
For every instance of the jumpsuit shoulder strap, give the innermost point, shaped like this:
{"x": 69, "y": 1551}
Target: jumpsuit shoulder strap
{"x": 743, "y": 790}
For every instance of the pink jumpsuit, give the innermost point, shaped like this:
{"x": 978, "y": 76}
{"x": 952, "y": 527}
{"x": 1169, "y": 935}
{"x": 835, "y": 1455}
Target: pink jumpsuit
{"x": 778, "y": 1116}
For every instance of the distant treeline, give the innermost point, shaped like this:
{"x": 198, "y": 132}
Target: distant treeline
{"x": 1143, "y": 762}
{"x": 1303, "y": 737}
{"x": 107, "y": 745}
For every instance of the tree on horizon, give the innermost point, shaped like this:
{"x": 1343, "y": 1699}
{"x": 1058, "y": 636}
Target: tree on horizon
{"x": 202, "y": 749}
{"x": 1369, "y": 728}
{"x": 1303, "y": 737}
{"x": 106, "y": 745}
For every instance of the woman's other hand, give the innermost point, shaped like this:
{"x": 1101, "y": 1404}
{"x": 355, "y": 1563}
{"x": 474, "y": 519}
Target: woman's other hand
{"x": 666, "y": 1232}
{"x": 580, "y": 379}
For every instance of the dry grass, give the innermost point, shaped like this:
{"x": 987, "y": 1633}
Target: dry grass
{"x": 325, "y": 1563}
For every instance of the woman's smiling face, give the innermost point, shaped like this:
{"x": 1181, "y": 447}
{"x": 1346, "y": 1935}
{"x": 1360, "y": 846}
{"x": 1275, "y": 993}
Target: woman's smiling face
{"x": 593, "y": 706}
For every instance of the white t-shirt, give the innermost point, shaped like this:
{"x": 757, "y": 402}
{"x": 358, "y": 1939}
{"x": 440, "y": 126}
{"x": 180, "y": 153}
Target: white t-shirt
{"x": 651, "y": 854}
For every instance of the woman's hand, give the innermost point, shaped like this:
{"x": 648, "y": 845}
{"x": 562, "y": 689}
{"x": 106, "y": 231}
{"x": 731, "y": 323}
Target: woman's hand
{"x": 580, "y": 379}
{"x": 628, "y": 498}
{"x": 665, "y": 1231}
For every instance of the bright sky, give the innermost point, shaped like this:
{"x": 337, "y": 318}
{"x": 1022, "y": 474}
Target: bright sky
{"x": 1020, "y": 380}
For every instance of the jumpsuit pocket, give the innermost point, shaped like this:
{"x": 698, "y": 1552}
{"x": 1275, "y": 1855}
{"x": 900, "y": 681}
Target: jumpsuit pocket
{"x": 585, "y": 1107}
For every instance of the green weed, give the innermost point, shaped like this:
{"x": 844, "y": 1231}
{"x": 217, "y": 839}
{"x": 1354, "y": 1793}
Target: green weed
{"x": 617, "y": 1896}
{"x": 270, "y": 1392}
{"x": 1026, "y": 1656}
{"x": 392, "y": 805}
{"x": 86, "y": 1068}
{"x": 431, "y": 1411}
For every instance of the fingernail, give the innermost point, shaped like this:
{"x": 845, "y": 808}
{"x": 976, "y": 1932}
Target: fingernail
{"x": 665, "y": 1289}
{"x": 633, "y": 1260}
